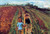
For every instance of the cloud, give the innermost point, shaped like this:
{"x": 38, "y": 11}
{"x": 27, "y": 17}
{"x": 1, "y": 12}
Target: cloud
{"x": 39, "y": 3}
{"x": 46, "y": 6}
{"x": 15, "y": 2}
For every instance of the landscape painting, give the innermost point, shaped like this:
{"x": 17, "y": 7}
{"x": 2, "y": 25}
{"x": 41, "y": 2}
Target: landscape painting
{"x": 24, "y": 16}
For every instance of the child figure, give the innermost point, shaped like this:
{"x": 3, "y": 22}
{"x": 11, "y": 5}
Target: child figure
{"x": 20, "y": 25}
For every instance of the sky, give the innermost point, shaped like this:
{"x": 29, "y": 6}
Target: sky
{"x": 39, "y": 3}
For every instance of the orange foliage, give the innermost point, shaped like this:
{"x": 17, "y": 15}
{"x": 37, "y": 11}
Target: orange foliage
{"x": 6, "y": 16}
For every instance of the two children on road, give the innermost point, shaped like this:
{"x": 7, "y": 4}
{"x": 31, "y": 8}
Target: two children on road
{"x": 20, "y": 25}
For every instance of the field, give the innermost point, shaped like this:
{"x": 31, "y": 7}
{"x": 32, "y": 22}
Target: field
{"x": 9, "y": 15}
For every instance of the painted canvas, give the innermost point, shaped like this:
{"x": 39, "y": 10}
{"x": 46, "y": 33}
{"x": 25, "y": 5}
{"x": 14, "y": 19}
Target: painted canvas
{"x": 24, "y": 16}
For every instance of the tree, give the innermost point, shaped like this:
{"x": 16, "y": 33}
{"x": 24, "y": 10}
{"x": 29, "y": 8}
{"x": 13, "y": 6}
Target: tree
{"x": 28, "y": 4}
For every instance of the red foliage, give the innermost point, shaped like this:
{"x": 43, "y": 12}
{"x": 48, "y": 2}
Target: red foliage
{"x": 41, "y": 23}
{"x": 6, "y": 16}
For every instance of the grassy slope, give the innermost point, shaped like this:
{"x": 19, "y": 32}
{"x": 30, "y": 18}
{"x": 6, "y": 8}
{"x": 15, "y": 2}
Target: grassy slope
{"x": 44, "y": 17}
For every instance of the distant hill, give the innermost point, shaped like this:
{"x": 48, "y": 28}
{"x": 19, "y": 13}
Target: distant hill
{"x": 45, "y": 10}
